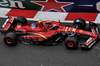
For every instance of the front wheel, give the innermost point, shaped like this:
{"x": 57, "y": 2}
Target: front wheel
{"x": 80, "y": 23}
{"x": 71, "y": 42}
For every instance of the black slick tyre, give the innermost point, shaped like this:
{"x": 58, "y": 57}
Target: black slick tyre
{"x": 22, "y": 20}
{"x": 10, "y": 39}
{"x": 80, "y": 22}
{"x": 71, "y": 42}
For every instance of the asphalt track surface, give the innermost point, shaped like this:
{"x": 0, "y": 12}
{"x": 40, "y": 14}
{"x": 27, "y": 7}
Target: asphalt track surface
{"x": 37, "y": 55}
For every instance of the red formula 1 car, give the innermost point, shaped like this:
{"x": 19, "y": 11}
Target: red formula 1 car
{"x": 48, "y": 32}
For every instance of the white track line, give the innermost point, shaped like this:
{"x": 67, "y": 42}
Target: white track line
{"x": 3, "y": 12}
{"x": 98, "y": 19}
{"x": 50, "y": 15}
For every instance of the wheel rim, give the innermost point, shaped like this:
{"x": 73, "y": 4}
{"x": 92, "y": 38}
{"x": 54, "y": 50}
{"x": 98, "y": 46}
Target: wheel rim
{"x": 70, "y": 44}
{"x": 9, "y": 41}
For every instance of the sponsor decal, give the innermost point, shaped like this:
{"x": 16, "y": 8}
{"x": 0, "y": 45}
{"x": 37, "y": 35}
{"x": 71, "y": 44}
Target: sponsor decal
{"x": 90, "y": 38}
{"x": 81, "y": 31}
{"x": 12, "y": 3}
{"x": 73, "y": 29}
{"x": 69, "y": 29}
{"x": 54, "y": 5}
{"x": 66, "y": 29}
{"x": 18, "y": 26}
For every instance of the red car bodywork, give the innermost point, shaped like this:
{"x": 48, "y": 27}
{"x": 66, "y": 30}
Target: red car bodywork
{"x": 42, "y": 33}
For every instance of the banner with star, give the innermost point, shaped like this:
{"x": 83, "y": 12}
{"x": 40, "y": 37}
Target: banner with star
{"x": 92, "y": 6}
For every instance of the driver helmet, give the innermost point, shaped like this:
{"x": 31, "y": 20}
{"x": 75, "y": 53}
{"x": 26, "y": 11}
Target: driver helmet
{"x": 39, "y": 21}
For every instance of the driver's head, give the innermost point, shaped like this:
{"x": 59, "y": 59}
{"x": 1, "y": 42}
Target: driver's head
{"x": 39, "y": 21}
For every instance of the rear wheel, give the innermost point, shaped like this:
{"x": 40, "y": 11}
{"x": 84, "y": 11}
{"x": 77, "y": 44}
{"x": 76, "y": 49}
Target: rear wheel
{"x": 10, "y": 39}
{"x": 21, "y": 20}
{"x": 71, "y": 42}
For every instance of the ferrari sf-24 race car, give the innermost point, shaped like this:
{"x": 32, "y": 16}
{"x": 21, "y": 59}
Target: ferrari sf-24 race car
{"x": 48, "y": 32}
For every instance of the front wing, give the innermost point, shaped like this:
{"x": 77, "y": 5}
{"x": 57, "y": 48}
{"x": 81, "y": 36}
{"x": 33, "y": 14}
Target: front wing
{"x": 91, "y": 40}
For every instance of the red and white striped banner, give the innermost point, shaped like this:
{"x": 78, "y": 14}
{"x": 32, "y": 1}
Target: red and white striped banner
{"x": 39, "y": 15}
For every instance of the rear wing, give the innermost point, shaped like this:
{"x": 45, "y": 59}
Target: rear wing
{"x": 7, "y": 26}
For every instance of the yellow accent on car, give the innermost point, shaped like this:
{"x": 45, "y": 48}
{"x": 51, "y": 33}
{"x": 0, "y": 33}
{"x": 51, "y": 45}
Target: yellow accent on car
{"x": 43, "y": 36}
{"x": 40, "y": 39}
{"x": 81, "y": 31}
{"x": 66, "y": 29}
{"x": 39, "y": 35}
